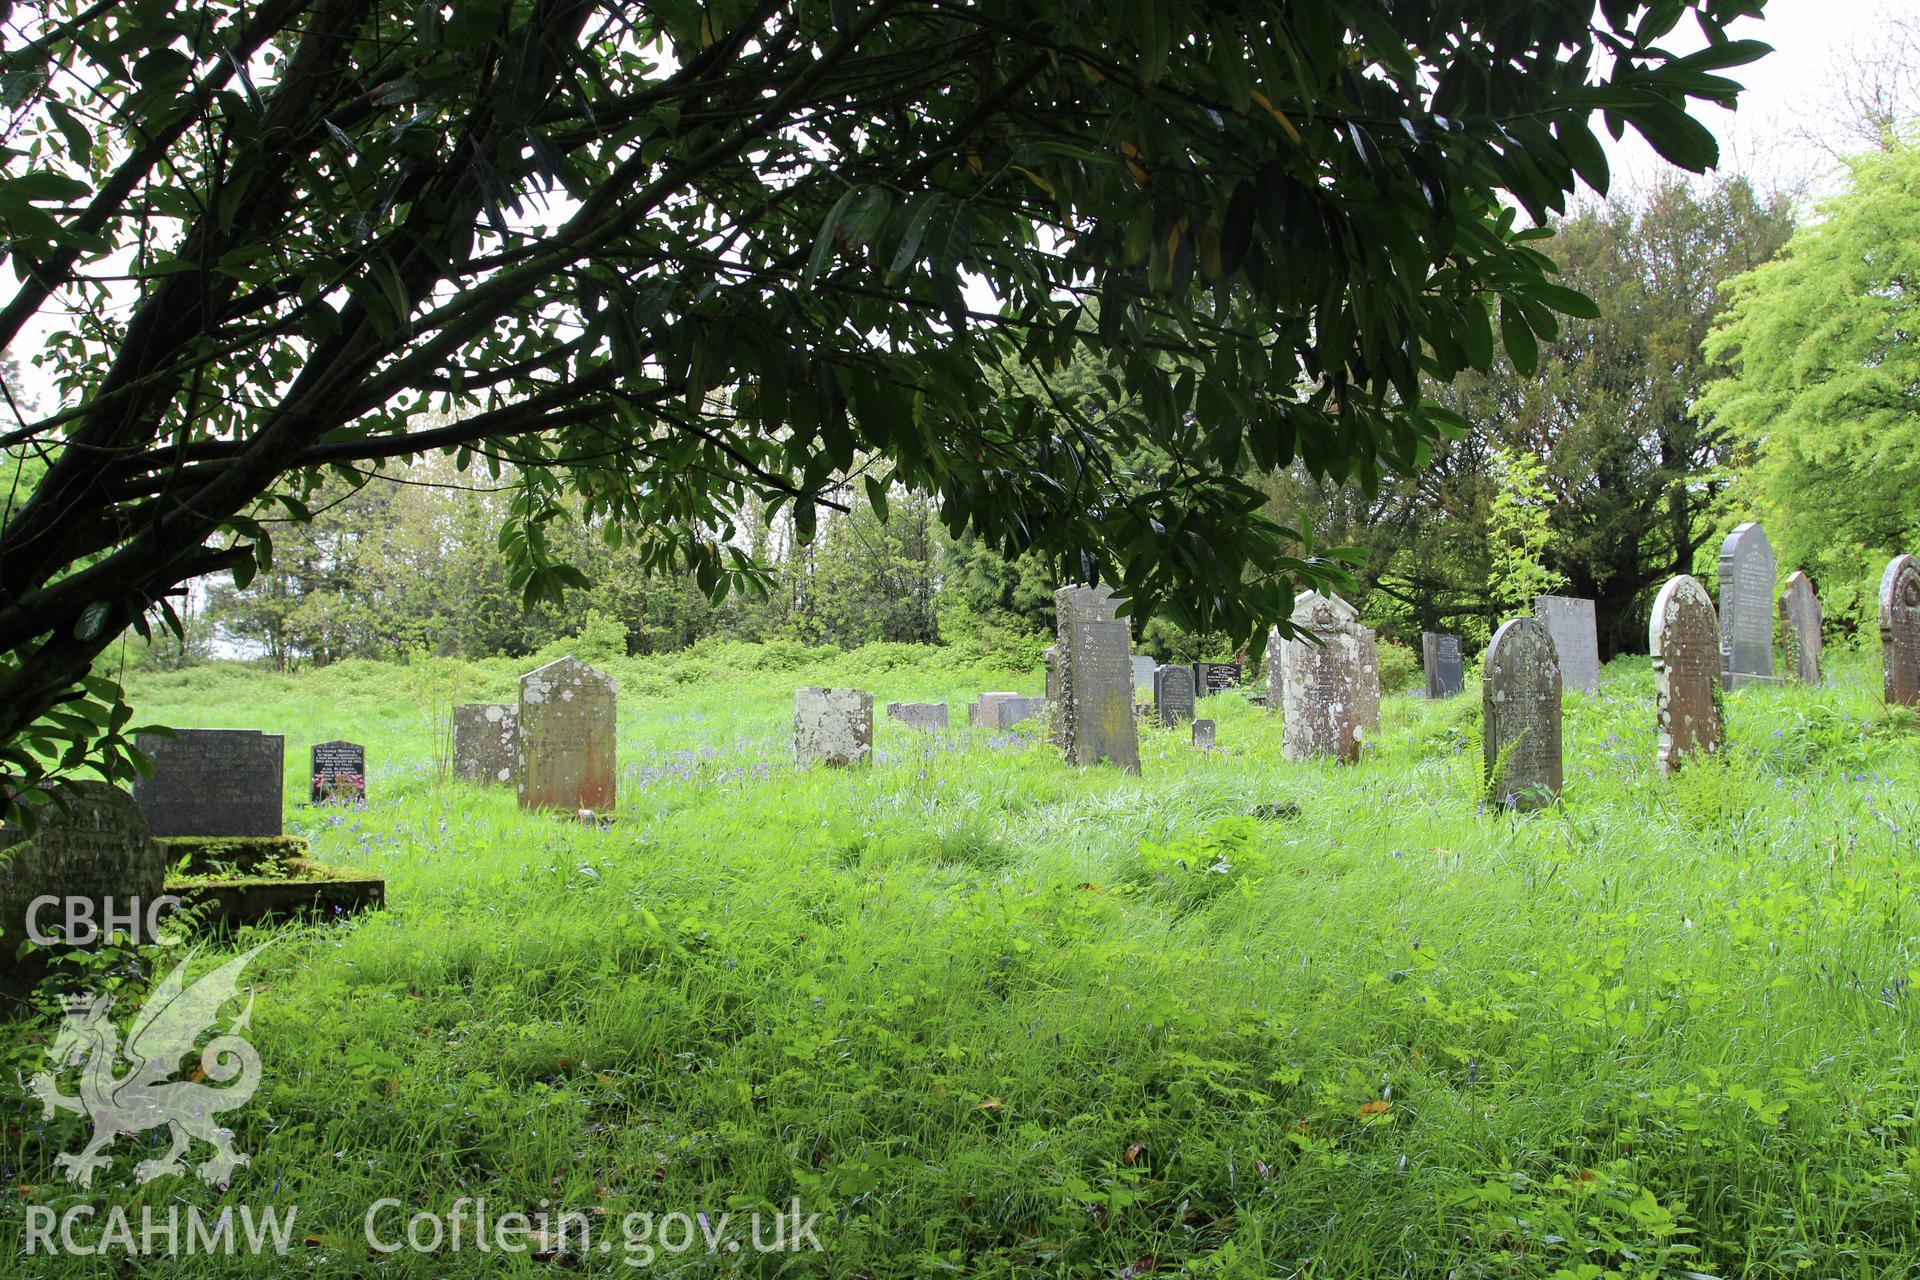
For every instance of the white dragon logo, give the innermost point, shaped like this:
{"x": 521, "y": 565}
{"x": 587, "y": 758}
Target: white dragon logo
{"x": 146, "y": 1097}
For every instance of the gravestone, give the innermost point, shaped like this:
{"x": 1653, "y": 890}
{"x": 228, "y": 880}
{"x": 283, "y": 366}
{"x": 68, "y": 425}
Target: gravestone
{"x": 1446, "y": 672}
{"x": 1203, "y": 734}
{"x": 1095, "y": 711}
{"x": 1520, "y": 701}
{"x": 339, "y": 771}
{"x": 1800, "y": 610}
{"x": 1008, "y": 712}
{"x": 1173, "y": 694}
{"x": 100, "y": 850}
{"x": 925, "y": 716}
{"x": 1055, "y": 734}
{"x": 1215, "y": 677}
{"x": 1900, "y": 631}
{"x": 981, "y": 713}
{"x": 1327, "y": 687}
{"x": 1746, "y": 606}
{"x": 832, "y": 726}
{"x": 213, "y": 782}
{"x": 486, "y": 742}
{"x": 566, "y": 738}
{"x": 1143, "y": 669}
{"x": 1684, "y": 638}
{"x": 1569, "y": 620}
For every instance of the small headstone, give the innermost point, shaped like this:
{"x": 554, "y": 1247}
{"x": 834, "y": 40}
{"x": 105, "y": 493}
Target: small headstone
{"x": 1143, "y": 669}
{"x": 1569, "y": 620}
{"x": 1446, "y": 672}
{"x": 926, "y": 716}
{"x": 1520, "y": 700}
{"x": 1096, "y": 680}
{"x": 1684, "y": 638}
{"x": 1800, "y": 610}
{"x": 1746, "y": 606}
{"x": 981, "y": 713}
{"x": 1173, "y": 694}
{"x": 1008, "y": 712}
{"x": 832, "y": 726}
{"x": 213, "y": 782}
{"x": 1900, "y": 631}
{"x": 1203, "y": 734}
{"x": 567, "y": 737}
{"x": 1215, "y": 677}
{"x": 1328, "y": 692}
{"x": 486, "y": 742}
{"x": 339, "y": 771}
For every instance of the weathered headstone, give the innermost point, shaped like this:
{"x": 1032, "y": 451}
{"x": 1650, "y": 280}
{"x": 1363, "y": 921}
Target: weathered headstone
{"x": 1800, "y": 610}
{"x": 1096, "y": 680}
{"x": 213, "y": 782}
{"x": 567, "y": 737}
{"x": 1215, "y": 677}
{"x": 1746, "y": 606}
{"x": 1446, "y": 672}
{"x": 926, "y": 716}
{"x": 1173, "y": 694}
{"x": 981, "y": 713}
{"x": 1684, "y": 638}
{"x": 832, "y": 726}
{"x": 1327, "y": 686}
{"x": 1520, "y": 700}
{"x": 486, "y": 742}
{"x": 1569, "y": 620}
{"x": 1143, "y": 669}
{"x": 1008, "y": 712}
{"x": 339, "y": 771}
{"x": 1203, "y": 734}
{"x": 1900, "y": 631}
{"x": 1055, "y": 732}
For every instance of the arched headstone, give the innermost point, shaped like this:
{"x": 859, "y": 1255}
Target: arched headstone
{"x": 1684, "y": 638}
{"x": 1800, "y": 610}
{"x": 1900, "y": 630}
{"x": 1328, "y": 683}
{"x": 566, "y": 738}
{"x": 1520, "y": 698}
{"x": 1746, "y": 606}
{"x": 1173, "y": 694}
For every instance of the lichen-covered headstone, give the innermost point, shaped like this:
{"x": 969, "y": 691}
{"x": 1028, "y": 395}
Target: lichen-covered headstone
{"x": 213, "y": 782}
{"x": 1684, "y": 638}
{"x": 1800, "y": 610}
{"x": 567, "y": 738}
{"x": 1746, "y": 606}
{"x": 1173, "y": 694}
{"x": 1446, "y": 671}
{"x": 925, "y": 716}
{"x": 339, "y": 772}
{"x": 1203, "y": 735}
{"x": 1520, "y": 725}
{"x": 1328, "y": 685}
{"x": 832, "y": 726}
{"x": 1900, "y": 631}
{"x": 1576, "y": 639}
{"x": 1095, "y": 711}
{"x": 486, "y": 742}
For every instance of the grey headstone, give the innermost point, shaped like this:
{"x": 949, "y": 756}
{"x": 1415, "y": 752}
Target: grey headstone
{"x": 1746, "y": 606}
{"x": 919, "y": 715}
{"x": 1143, "y": 669}
{"x": 1215, "y": 677}
{"x": 1520, "y": 699}
{"x": 1327, "y": 693}
{"x": 1173, "y": 694}
{"x": 486, "y": 742}
{"x": 339, "y": 771}
{"x": 1008, "y": 712}
{"x": 981, "y": 713}
{"x": 1203, "y": 734}
{"x": 1684, "y": 638}
{"x": 567, "y": 738}
{"x": 1096, "y": 679}
{"x": 1056, "y": 733}
{"x": 1900, "y": 631}
{"x": 1569, "y": 620}
{"x": 832, "y": 726}
{"x": 1446, "y": 670}
{"x": 1800, "y": 610}
{"x": 213, "y": 782}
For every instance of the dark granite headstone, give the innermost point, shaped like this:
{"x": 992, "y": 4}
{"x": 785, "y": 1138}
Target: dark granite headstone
{"x": 1446, "y": 671}
{"x": 1096, "y": 679}
{"x": 1684, "y": 638}
{"x": 1900, "y": 631}
{"x": 567, "y": 738}
{"x": 339, "y": 771}
{"x": 1173, "y": 694}
{"x": 1326, "y": 683}
{"x": 1520, "y": 700}
{"x": 486, "y": 742}
{"x": 213, "y": 782}
{"x": 832, "y": 726}
{"x": 1746, "y": 606}
{"x": 1203, "y": 734}
{"x": 927, "y": 716}
{"x": 1800, "y": 610}
{"x": 1569, "y": 620}
{"x": 1215, "y": 677}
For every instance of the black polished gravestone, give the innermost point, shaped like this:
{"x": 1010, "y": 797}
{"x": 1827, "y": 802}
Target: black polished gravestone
{"x": 1446, "y": 671}
{"x": 212, "y": 782}
{"x": 339, "y": 771}
{"x": 1215, "y": 677}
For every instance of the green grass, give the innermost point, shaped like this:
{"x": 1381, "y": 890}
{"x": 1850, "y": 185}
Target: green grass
{"x": 992, "y": 1016}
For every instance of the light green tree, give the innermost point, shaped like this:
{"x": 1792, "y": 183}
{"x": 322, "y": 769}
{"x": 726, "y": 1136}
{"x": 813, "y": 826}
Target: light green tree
{"x": 1518, "y": 532}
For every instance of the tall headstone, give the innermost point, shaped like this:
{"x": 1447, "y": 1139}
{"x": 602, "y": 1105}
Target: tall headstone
{"x": 339, "y": 771}
{"x": 1684, "y": 638}
{"x": 1800, "y": 610}
{"x": 213, "y": 782}
{"x": 567, "y": 738}
{"x": 1328, "y": 681}
{"x": 1215, "y": 677}
{"x": 1746, "y": 606}
{"x": 1576, "y": 639}
{"x": 1173, "y": 694}
{"x": 486, "y": 742}
{"x": 1203, "y": 735}
{"x": 1143, "y": 669}
{"x": 1056, "y": 733}
{"x": 1520, "y": 698}
{"x": 832, "y": 726}
{"x": 1096, "y": 680}
{"x": 926, "y": 716}
{"x": 1446, "y": 671}
{"x": 1900, "y": 631}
